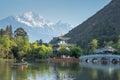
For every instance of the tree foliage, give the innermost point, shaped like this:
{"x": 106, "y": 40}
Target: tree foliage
{"x": 76, "y": 51}
{"x": 63, "y": 51}
{"x": 92, "y": 46}
{"x": 17, "y": 45}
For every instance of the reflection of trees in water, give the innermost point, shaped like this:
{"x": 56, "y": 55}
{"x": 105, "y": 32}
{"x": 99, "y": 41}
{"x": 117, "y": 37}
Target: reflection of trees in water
{"x": 20, "y": 72}
{"x": 40, "y": 69}
{"x": 5, "y": 72}
{"x": 32, "y": 71}
{"x": 67, "y": 71}
{"x": 55, "y": 72}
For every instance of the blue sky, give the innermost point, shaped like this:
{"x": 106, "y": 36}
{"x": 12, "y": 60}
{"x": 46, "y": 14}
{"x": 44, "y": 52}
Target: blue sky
{"x": 73, "y": 12}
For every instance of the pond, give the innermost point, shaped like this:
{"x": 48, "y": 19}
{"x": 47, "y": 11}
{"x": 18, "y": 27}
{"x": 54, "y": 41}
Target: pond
{"x": 59, "y": 71}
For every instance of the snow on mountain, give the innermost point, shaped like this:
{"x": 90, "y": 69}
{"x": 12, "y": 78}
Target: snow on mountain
{"x": 36, "y": 26}
{"x": 33, "y": 20}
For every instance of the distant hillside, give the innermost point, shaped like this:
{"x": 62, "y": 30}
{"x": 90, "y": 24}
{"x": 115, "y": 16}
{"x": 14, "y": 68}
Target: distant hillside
{"x": 104, "y": 26}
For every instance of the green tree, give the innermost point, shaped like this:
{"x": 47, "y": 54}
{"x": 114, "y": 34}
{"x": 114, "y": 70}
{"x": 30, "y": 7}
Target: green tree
{"x": 6, "y": 42}
{"x": 1, "y": 33}
{"x": 93, "y": 45}
{"x": 45, "y": 51}
{"x": 63, "y": 51}
{"x": 26, "y": 45}
{"x": 23, "y": 45}
{"x": 9, "y": 32}
{"x": 49, "y": 50}
{"x": 34, "y": 50}
{"x": 2, "y": 49}
{"x": 76, "y": 51}
{"x": 117, "y": 46}
{"x": 20, "y": 32}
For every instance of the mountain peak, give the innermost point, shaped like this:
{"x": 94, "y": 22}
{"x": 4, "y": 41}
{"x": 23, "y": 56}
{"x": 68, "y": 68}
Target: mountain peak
{"x": 28, "y": 15}
{"x": 33, "y": 20}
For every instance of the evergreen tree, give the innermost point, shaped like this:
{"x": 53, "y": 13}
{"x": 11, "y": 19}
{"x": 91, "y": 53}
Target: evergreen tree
{"x": 1, "y": 32}
{"x": 20, "y": 32}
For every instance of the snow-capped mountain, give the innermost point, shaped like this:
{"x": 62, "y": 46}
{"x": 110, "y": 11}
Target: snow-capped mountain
{"x": 33, "y": 20}
{"x": 36, "y": 26}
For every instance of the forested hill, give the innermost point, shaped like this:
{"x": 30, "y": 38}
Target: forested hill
{"x": 104, "y": 26}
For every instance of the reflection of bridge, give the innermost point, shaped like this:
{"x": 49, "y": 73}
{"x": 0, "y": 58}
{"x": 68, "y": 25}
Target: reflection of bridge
{"x": 108, "y": 67}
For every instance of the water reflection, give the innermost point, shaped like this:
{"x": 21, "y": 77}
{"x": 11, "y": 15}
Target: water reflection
{"x": 107, "y": 66}
{"x": 46, "y": 71}
{"x": 100, "y": 71}
{"x": 59, "y": 71}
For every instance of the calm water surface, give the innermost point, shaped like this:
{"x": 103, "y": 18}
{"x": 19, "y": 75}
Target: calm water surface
{"x": 52, "y": 71}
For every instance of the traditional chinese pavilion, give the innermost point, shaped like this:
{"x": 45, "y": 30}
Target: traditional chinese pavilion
{"x": 60, "y": 41}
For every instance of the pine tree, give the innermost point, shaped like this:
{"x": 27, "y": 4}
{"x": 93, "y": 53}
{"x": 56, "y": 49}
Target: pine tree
{"x": 20, "y": 32}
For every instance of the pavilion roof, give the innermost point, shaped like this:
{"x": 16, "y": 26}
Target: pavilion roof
{"x": 106, "y": 48}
